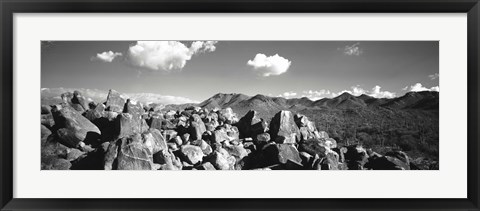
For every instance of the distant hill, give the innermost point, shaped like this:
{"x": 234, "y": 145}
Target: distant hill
{"x": 426, "y": 100}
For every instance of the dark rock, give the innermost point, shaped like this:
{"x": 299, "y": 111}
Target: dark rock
{"x": 45, "y": 109}
{"x": 197, "y": 127}
{"x": 280, "y": 154}
{"x": 283, "y": 128}
{"x": 250, "y": 125}
{"x": 356, "y": 157}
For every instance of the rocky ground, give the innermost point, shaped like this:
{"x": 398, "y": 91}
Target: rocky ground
{"x": 123, "y": 135}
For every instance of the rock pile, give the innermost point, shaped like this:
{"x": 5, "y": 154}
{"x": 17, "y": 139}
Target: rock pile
{"x": 123, "y": 135}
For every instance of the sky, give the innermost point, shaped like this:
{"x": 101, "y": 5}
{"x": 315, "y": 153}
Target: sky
{"x": 196, "y": 70}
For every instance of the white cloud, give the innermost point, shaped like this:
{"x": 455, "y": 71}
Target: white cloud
{"x": 354, "y": 90}
{"x": 418, "y": 87}
{"x": 377, "y": 93}
{"x": 288, "y": 95}
{"x": 107, "y": 56}
{"x": 316, "y": 95}
{"x": 269, "y": 66}
{"x": 166, "y": 55}
{"x": 352, "y": 50}
{"x": 433, "y": 76}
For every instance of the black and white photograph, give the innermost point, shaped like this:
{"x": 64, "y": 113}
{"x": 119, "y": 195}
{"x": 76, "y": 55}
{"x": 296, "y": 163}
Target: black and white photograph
{"x": 239, "y": 105}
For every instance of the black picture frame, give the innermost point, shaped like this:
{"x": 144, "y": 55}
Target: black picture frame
{"x": 9, "y": 7}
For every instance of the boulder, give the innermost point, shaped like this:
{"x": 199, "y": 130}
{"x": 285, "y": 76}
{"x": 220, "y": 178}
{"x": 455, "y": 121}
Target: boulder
{"x": 312, "y": 147}
{"x": 133, "y": 155}
{"x": 218, "y": 136}
{"x": 221, "y": 160}
{"x": 50, "y": 147}
{"x": 302, "y": 121}
{"x": 206, "y": 166}
{"x": 47, "y": 120}
{"x": 167, "y": 160}
{"x": 75, "y": 128}
{"x": 44, "y": 132}
{"x": 73, "y": 154}
{"x": 206, "y": 149}
{"x": 154, "y": 141}
{"x": 283, "y": 128}
{"x": 251, "y": 125}
{"x": 191, "y": 154}
{"x": 45, "y": 109}
{"x": 126, "y": 125}
{"x": 331, "y": 161}
{"x": 386, "y": 163}
{"x": 114, "y": 101}
{"x": 111, "y": 155}
{"x": 197, "y": 127}
{"x": 356, "y": 156}
{"x": 280, "y": 154}
{"x": 55, "y": 163}
{"x": 79, "y": 99}
{"x": 95, "y": 113}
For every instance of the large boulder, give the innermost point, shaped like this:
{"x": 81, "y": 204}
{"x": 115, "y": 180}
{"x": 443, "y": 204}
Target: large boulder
{"x": 134, "y": 155}
{"x": 95, "y": 113}
{"x": 313, "y": 147}
{"x": 154, "y": 141}
{"x": 197, "y": 127}
{"x": 115, "y": 102}
{"x": 75, "y": 128}
{"x": 251, "y": 125}
{"x": 221, "y": 160}
{"x": 356, "y": 156}
{"x": 191, "y": 154}
{"x": 302, "y": 121}
{"x": 47, "y": 120}
{"x": 283, "y": 128}
{"x": 111, "y": 155}
{"x": 79, "y": 99}
{"x": 126, "y": 125}
{"x": 392, "y": 162}
{"x": 219, "y": 136}
{"x": 167, "y": 160}
{"x": 55, "y": 163}
{"x": 280, "y": 154}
